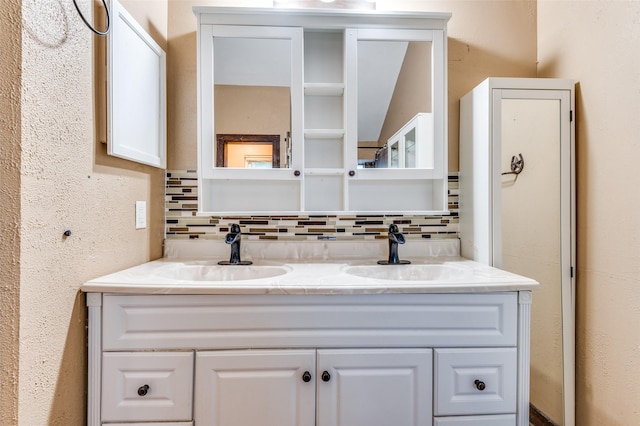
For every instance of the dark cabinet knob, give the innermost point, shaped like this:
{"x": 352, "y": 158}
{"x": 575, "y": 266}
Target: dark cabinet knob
{"x": 352, "y": 173}
{"x": 326, "y": 376}
{"x": 142, "y": 390}
{"x": 480, "y": 385}
{"x": 296, "y": 173}
{"x": 306, "y": 377}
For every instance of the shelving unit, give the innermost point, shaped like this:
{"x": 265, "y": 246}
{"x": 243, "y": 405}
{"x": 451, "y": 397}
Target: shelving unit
{"x": 324, "y": 121}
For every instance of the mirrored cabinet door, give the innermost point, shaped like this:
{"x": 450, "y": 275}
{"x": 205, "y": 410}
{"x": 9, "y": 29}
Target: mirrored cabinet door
{"x": 397, "y": 142}
{"x": 250, "y": 119}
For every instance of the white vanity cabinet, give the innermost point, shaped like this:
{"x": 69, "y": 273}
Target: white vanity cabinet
{"x": 328, "y": 85}
{"x": 274, "y": 387}
{"x": 279, "y": 360}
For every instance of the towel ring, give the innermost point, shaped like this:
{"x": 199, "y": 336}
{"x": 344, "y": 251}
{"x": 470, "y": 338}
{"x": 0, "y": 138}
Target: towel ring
{"x": 517, "y": 165}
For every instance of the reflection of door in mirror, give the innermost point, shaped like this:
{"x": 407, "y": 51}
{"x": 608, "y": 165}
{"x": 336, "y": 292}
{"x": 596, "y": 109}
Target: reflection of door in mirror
{"x": 530, "y": 230}
{"x": 248, "y": 151}
{"x": 252, "y": 94}
{"x": 389, "y": 98}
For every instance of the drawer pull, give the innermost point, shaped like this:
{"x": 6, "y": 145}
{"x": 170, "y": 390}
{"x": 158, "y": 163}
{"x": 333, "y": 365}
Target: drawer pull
{"x": 142, "y": 390}
{"x": 480, "y": 385}
{"x": 326, "y": 376}
{"x": 306, "y": 377}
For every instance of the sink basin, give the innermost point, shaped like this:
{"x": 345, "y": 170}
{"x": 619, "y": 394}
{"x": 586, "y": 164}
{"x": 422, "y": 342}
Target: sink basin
{"x": 211, "y": 272}
{"x": 407, "y": 272}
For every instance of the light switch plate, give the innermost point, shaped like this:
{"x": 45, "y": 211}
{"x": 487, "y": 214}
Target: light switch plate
{"x": 141, "y": 214}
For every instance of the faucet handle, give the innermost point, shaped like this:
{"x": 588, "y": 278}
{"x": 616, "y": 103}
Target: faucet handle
{"x": 233, "y": 238}
{"x": 395, "y": 237}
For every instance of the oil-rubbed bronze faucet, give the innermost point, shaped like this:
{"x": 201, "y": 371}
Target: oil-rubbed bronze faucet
{"x": 233, "y": 238}
{"x": 395, "y": 238}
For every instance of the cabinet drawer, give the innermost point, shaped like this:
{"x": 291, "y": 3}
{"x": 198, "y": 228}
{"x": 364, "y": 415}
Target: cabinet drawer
{"x": 338, "y": 321}
{"x": 154, "y": 386}
{"x": 150, "y": 424}
{"x": 475, "y": 381}
{"x": 496, "y": 420}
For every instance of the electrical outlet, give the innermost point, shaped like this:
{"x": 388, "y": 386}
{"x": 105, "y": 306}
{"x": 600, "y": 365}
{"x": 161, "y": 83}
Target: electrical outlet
{"x": 141, "y": 214}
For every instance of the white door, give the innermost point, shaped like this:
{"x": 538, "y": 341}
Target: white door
{"x": 374, "y": 387}
{"x": 533, "y": 227}
{"x": 255, "y": 387}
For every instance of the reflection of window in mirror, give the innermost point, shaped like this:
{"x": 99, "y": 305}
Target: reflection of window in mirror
{"x": 248, "y": 151}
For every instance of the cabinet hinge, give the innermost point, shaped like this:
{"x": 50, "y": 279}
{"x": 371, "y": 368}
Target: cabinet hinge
{"x": 571, "y": 272}
{"x": 571, "y": 115}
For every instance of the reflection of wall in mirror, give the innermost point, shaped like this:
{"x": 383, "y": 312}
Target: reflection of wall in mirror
{"x": 412, "y": 93}
{"x": 253, "y": 110}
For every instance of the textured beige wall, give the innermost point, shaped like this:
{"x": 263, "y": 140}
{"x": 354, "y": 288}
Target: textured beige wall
{"x": 10, "y": 59}
{"x": 598, "y": 44}
{"x": 66, "y": 181}
{"x": 487, "y": 38}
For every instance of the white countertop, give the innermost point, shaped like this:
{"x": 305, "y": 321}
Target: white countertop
{"x": 327, "y": 275}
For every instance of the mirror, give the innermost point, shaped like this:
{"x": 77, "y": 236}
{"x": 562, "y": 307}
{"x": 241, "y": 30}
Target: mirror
{"x": 395, "y": 126}
{"x": 252, "y": 102}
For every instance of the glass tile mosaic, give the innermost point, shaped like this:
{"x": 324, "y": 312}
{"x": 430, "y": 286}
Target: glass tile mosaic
{"x": 181, "y": 221}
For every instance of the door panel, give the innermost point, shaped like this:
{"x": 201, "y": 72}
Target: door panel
{"x": 255, "y": 387}
{"x": 375, "y": 387}
{"x": 531, "y": 220}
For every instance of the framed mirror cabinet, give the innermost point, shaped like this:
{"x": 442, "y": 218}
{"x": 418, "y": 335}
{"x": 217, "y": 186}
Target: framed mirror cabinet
{"x": 321, "y": 111}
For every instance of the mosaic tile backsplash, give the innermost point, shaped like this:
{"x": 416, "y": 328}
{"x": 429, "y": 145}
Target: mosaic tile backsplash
{"x": 182, "y": 222}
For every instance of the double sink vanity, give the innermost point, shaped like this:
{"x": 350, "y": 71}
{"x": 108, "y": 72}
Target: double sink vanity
{"x": 314, "y": 332}
{"x": 309, "y": 335}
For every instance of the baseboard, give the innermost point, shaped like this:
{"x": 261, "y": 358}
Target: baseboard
{"x": 538, "y": 418}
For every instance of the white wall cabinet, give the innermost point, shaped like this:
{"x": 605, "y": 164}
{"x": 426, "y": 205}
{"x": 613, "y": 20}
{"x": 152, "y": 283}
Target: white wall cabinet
{"x": 280, "y": 360}
{"x": 324, "y": 74}
{"x": 136, "y": 98}
{"x": 525, "y": 223}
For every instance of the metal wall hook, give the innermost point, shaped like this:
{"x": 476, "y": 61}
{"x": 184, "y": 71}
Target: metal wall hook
{"x": 517, "y": 165}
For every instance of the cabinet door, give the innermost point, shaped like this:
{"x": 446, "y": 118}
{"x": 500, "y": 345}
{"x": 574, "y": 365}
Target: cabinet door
{"x": 374, "y": 387}
{"x": 255, "y": 387}
{"x": 250, "y": 128}
{"x": 414, "y": 178}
